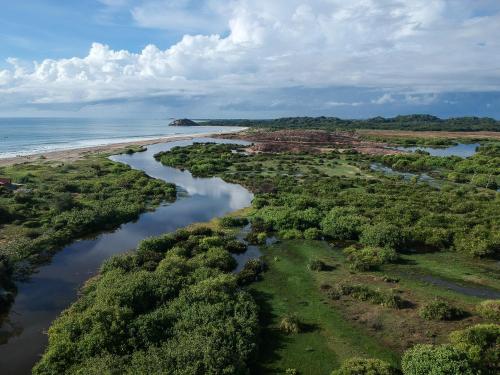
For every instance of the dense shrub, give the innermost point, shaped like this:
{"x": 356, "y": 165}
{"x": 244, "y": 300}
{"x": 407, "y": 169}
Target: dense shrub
{"x": 251, "y": 271}
{"x": 489, "y": 309}
{"x": 479, "y": 241}
{"x": 231, "y": 222}
{"x": 342, "y": 224}
{"x": 362, "y": 366}
{"x": 291, "y": 234}
{"x": 312, "y": 234}
{"x": 436, "y": 360}
{"x": 385, "y": 298}
{"x": 69, "y": 201}
{"x": 481, "y": 343}
{"x": 399, "y": 213}
{"x": 369, "y": 257}
{"x": 382, "y": 235}
{"x": 440, "y": 310}
{"x": 185, "y": 315}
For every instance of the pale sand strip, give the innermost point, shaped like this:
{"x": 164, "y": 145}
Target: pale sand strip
{"x": 79, "y": 153}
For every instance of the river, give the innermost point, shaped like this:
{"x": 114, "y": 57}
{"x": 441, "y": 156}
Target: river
{"x": 55, "y": 286}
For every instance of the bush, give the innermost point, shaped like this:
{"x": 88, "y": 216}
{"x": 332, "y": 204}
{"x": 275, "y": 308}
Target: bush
{"x": 481, "y": 343}
{"x": 251, "y": 271}
{"x": 362, "y": 366}
{"x": 479, "y": 241}
{"x": 436, "y": 360}
{"x": 317, "y": 265}
{"x": 235, "y": 246}
{"x": 231, "y": 222}
{"x": 291, "y": 234}
{"x": 365, "y": 293}
{"x": 440, "y": 310}
{"x": 489, "y": 309}
{"x": 290, "y": 324}
{"x": 312, "y": 234}
{"x": 342, "y": 224}
{"x": 256, "y": 238}
{"x": 382, "y": 235}
{"x": 369, "y": 257}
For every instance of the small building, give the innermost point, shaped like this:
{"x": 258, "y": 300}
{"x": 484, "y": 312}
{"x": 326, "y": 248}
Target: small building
{"x": 5, "y": 182}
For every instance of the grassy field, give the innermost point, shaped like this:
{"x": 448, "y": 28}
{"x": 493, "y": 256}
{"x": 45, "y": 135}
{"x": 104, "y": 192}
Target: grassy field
{"x": 328, "y": 338}
{"x": 335, "y": 330}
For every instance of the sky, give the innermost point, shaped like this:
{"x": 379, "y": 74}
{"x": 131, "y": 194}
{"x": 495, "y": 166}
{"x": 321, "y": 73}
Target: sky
{"x": 249, "y": 58}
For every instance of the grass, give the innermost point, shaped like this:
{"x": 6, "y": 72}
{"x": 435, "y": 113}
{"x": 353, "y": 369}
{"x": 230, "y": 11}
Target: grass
{"x": 465, "y": 269}
{"x": 328, "y": 338}
{"x": 336, "y": 330}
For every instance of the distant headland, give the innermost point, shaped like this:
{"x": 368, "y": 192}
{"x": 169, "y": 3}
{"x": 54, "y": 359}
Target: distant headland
{"x": 183, "y": 122}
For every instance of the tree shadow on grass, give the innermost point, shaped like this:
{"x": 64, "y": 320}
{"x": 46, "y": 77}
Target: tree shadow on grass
{"x": 308, "y": 327}
{"x": 271, "y": 340}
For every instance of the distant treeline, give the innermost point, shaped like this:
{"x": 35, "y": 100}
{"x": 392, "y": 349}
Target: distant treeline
{"x": 407, "y": 122}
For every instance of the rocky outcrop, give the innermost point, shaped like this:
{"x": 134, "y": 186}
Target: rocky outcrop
{"x": 183, "y": 122}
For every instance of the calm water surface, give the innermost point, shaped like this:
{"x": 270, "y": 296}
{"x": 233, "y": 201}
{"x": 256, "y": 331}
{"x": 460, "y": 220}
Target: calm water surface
{"x": 54, "y": 287}
{"x": 464, "y": 150}
{"x": 25, "y": 136}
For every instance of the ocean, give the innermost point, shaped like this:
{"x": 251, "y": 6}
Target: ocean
{"x": 26, "y": 136}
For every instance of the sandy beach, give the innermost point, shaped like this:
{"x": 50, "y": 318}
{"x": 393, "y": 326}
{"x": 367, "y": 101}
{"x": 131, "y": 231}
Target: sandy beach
{"x": 79, "y": 153}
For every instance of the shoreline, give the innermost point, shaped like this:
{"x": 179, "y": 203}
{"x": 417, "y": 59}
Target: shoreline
{"x": 81, "y": 152}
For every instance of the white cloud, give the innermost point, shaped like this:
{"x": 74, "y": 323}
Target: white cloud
{"x": 417, "y": 48}
{"x": 384, "y": 99}
{"x": 343, "y": 104}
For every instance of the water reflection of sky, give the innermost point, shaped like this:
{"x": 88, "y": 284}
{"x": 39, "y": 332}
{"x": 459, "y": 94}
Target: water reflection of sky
{"x": 54, "y": 287}
{"x": 462, "y": 149}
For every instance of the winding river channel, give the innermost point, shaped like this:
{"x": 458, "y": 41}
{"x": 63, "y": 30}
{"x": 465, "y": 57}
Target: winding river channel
{"x": 55, "y": 286}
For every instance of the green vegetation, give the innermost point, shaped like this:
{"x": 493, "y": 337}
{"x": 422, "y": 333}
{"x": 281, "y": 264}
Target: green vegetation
{"x": 365, "y": 293}
{"x": 170, "y": 307}
{"x": 290, "y": 324}
{"x": 342, "y": 290}
{"x": 362, "y": 366}
{"x": 368, "y": 258}
{"x": 440, "y": 310}
{"x": 473, "y": 350}
{"x": 231, "y": 222}
{"x": 379, "y": 212}
{"x": 55, "y": 203}
{"x": 362, "y": 294}
{"x": 482, "y": 169}
{"x": 480, "y": 343}
{"x": 327, "y": 338}
{"x": 428, "y": 359}
{"x": 397, "y": 140}
{"x": 489, "y": 309}
{"x": 407, "y": 122}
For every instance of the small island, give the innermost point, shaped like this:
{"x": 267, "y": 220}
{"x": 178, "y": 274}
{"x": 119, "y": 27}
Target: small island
{"x": 184, "y": 122}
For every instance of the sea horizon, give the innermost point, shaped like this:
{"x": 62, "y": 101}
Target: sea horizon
{"x": 22, "y": 136}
